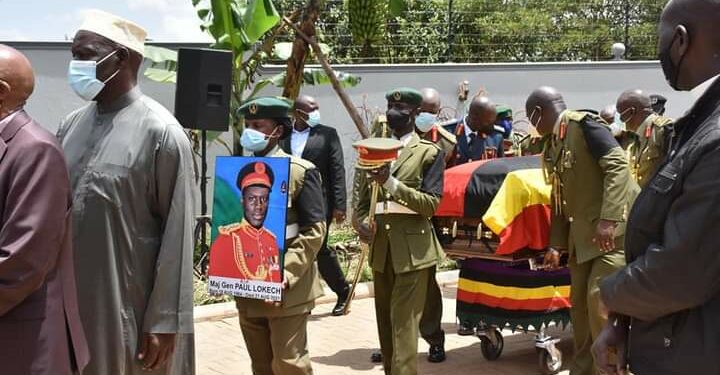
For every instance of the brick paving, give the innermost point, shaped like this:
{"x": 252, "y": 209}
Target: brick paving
{"x": 342, "y": 346}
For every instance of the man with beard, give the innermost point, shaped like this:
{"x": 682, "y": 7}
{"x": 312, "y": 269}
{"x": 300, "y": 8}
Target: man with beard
{"x": 403, "y": 245}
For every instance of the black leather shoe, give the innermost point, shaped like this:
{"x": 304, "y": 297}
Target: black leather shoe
{"x": 436, "y": 354}
{"x": 465, "y": 330}
{"x": 376, "y": 357}
{"x": 339, "y": 309}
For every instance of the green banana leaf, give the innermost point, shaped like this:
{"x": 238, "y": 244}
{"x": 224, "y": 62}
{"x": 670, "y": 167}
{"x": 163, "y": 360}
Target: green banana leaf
{"x": 317, "y": 77}
{"x": 236, "y": 24}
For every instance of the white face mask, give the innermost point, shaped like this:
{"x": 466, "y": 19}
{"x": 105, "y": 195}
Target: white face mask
{"x": 82, "y": 77}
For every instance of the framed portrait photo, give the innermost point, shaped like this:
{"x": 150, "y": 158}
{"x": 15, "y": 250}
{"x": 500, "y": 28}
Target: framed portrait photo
{"x": 249, "y": 229}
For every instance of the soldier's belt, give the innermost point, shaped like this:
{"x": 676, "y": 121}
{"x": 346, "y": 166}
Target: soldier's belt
{"x": 291, "y": 231}
{"x": 393, "y": 208}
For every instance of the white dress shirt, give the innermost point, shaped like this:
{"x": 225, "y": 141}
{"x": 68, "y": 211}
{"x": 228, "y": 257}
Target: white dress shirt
{"x": 298, "y": 140}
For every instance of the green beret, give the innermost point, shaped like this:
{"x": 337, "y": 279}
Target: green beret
{"x": 504, "y": 111}
{"x": 266, "y": 107}
{"x": 404, "y": 95}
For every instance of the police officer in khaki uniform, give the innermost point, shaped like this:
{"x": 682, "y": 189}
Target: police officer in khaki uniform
{"x": 591, "y": 185}
{"x": 403, "y": 245}
{"x": 276, "y": 334}
{"x": 648, "y": 134}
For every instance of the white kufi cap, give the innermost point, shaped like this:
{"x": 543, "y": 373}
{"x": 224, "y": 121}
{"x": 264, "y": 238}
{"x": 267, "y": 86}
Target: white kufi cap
{"x": 119, "y": 30}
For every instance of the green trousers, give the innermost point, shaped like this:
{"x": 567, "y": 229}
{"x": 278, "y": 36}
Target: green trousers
{"x": 277, "y": 346}
{"x": 399, "y": 303}
{"x": 431, "y": 321}
{"x": 585, "y": 315}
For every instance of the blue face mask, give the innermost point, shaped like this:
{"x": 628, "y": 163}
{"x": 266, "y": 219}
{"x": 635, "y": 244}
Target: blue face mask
{"x": 82, "y": 77}
{"x": 425, "y": 121}
{"x": 617, "y": 127}
{"x": 253, "y": 140}
{"x": 313, "y": 118}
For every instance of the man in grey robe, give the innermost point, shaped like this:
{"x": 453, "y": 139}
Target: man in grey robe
{"x": 133, "y": 189}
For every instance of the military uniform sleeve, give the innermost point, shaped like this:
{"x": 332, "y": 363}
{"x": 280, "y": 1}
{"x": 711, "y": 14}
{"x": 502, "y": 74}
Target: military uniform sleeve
{"x": 170, "y": 306}
{"x": 361, "y": 196}
{"x": 310, "y": 206}
{"x": 33, "y": 223}
{"x": 337, "y": 173}
{"x": 684, "y": 271}
{"x": 613, "y": 162}
{"x": 426, "y": 199}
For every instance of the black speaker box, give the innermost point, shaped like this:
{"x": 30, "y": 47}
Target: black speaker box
{"x": 202, "y": 95}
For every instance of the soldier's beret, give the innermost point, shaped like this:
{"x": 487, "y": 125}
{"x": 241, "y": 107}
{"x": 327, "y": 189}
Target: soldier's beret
{"x": 374, "y": 152}
{"x": 657, "y": 102}
{"x": 404, "y": 95}
{"x": 503, "y": 112}
{"x": 266, "y": 107}
{"x": 255, "y": 174}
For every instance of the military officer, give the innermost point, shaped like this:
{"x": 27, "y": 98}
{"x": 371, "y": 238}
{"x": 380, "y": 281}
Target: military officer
{"x": 427, "y": 123}
{"x": 591, "y": 186}
{"x": 276, "y": 333}
{"x": 248, "y": 250}
{"x": 647, "y": 146}
{"x": 477, "y": 138}
{"x": 403, "y": 245}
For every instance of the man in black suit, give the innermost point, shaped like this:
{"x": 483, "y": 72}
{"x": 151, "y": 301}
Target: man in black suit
{"x": 320, "y": 145}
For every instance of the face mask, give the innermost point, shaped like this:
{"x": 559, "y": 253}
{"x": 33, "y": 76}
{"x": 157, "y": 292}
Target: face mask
{"x": 425, "y": 121}
{"x": 397, "y": 118}
{"x": 313, "y": 118}
{"x": 82, "y": 77}
{"x": 617, "y": 127}
{"x": 253, "y": 140}
{"x": 670, "y": 70}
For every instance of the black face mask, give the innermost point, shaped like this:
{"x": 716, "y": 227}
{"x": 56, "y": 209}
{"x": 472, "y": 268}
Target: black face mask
{"x": 671, "y": 71}
{"x": 397, "y": 118}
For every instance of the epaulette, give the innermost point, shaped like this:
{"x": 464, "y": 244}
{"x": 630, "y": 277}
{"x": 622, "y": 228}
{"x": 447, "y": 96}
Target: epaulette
{"x": 271, "y": 234}
{"x": 662, "y": 121}
{"x": 576, "y": 116}
{"x": 450, "y": 137}
{"x": 304, "y": 164}
{"x": 425, "y": 142}
{"x": 227, "y": 229}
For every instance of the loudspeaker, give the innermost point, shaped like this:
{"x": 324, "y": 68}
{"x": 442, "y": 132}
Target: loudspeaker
{"x": 202, "y": 94}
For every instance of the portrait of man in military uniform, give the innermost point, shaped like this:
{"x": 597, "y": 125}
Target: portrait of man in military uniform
{"x": 247, "y": 248}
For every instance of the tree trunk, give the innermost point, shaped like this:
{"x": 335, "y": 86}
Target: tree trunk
{"x": 296, "y": 62}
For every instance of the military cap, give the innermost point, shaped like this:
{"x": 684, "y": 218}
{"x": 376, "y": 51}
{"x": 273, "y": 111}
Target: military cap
{"x": 266, "y": 107}
{"x": 255, "y": 174}
{"x": 503, "y": 112}
{"x": 404, "y": 95}
{"x": 657, "y": 102}
{"x": 375, "y": 152}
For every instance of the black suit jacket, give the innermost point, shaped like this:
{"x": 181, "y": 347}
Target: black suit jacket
{"x": 324, "y": 149}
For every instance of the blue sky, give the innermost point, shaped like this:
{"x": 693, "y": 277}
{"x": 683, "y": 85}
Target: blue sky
{"x": 56, "y": 20}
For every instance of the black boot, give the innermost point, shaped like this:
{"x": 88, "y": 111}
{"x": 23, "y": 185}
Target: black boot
{"x": 436, "y": 354}
{"x": 376, "y": 357}
{"x": 342, "y": 301}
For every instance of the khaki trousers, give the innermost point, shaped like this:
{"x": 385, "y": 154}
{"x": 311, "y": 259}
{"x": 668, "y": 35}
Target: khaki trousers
{"x": 399, "y": 302}
{"x": 431, "y": 321}
{"x": 585, "y": 296}
{"x": 277, "y": 346}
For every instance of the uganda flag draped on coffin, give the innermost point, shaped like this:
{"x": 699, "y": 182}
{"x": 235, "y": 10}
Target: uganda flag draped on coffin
{"x": 501, "y": 294}
{"x": 509, "y": 194}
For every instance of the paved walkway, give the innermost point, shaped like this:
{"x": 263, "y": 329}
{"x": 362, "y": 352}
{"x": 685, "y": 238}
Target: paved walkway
{"x": 340, "y": 346}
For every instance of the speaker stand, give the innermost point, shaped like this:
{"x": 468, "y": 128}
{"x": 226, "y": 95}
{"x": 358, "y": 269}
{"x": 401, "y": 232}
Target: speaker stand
{"x": 203, "y": 221}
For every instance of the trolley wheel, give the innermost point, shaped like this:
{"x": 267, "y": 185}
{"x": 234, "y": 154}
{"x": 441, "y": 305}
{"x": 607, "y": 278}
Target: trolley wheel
{"x": 492, "y": 344}
{"x": 549, "y": 365}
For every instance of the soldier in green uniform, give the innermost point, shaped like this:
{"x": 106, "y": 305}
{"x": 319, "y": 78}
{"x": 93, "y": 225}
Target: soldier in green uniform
{"x": 403, "y": 245}
{"x": 591, "y": 186}
{"x": 276, "y": 333}
{"x": 648, "y": 134}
